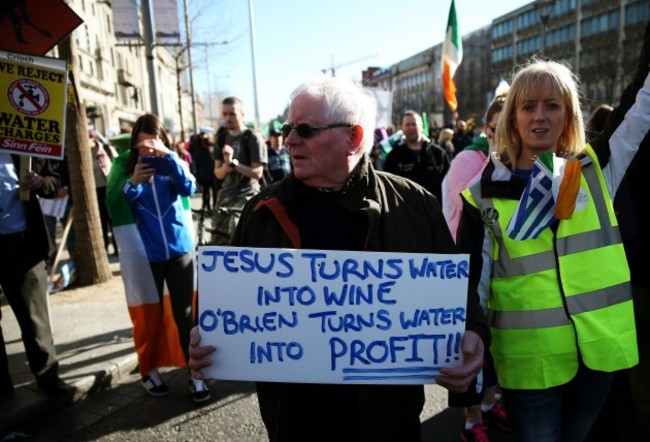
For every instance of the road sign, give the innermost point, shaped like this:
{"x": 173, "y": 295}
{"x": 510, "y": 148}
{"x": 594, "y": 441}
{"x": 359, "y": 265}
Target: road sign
{"x": 35, "y": 26}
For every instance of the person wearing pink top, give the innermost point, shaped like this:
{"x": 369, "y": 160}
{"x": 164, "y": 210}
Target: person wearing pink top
{"x": 467, "y": 167}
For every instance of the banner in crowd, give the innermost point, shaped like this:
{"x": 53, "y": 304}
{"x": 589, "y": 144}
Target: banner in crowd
{"x": 126, "y": 21}
{"x": 165, "y": 14}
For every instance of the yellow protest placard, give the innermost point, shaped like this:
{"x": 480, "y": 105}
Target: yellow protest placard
{"x": 32, "y": 117}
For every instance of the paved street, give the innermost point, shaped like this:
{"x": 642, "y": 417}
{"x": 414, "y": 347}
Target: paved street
{"x": 124, "y": 412}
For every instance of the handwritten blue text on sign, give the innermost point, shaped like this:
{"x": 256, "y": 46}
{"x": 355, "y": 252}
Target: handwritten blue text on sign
{"x": 331, "y": 316}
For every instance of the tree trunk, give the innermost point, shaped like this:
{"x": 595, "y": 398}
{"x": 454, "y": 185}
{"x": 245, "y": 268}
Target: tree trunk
{"x": 90, "y": 258}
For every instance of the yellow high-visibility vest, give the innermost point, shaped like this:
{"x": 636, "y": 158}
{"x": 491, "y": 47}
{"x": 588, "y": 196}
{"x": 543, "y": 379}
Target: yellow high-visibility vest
{"x": 562, "y": 296}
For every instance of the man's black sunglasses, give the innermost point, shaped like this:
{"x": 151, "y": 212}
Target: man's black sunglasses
{"x": 304, "y": 130}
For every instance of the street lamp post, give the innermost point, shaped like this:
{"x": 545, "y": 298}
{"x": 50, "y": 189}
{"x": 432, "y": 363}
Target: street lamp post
{"x": 188, "y": 44}
{"x": 545, "y": 7}
{"x": 251, "y": 20}
{"x": 179, "y": 69}
{"x": 148, "y": 26}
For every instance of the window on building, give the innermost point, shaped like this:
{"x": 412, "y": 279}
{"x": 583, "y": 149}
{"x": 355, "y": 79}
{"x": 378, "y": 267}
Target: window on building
{"x": 564, "y": 6}
{"x": 586, "y": 28}
{"x": 603, "y": 24}
{"x": 99, "y": 60}
{"x": 503, "y": 28}
{"x": 607, "y": 21}
{"x": 613, "y": 20}
{"x": 630, "y": 14}
{"x": 87, "y": 37}
{"x": 636, "y": 12}
{"x": 570, "y": 34}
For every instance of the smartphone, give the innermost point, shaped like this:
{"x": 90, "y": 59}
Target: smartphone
{"x": 161, "y": 164}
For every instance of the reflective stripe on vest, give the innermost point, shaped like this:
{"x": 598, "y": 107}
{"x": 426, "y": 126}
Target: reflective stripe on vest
{"x": 538, "y": 329}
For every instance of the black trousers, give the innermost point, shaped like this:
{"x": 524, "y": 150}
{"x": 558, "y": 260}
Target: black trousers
{"x": 23, "y": 278}
{"x": 178, "y": 273}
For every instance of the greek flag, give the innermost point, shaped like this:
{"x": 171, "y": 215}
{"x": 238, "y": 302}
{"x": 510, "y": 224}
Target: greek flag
{"x": 536, "y": 208}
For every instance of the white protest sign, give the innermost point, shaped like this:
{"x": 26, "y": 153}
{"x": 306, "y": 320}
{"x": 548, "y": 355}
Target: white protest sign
{"x": 331, "y": 316}
{"x": 54, "y": 206}
{"x": 384, "y": 106}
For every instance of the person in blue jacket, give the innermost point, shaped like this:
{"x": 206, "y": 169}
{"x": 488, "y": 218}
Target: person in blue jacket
{"x": 157, "y": 182}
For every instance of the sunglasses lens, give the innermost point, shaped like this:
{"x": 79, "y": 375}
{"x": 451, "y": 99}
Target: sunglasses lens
{"x": 304, "y": 130}
{"x": 286, "y": 130}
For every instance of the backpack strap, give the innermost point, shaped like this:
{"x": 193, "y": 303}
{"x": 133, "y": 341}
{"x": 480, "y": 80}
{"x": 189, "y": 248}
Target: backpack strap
{"x": 246, "y": 137}
{"x": 221, "y": 139}
{"x": 220, "y": 142}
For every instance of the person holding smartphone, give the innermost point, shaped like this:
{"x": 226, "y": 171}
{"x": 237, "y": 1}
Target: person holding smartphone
{"x": 154, "y": 182}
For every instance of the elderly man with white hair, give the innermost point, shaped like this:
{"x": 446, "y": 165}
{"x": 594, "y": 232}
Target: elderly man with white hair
{"x": 336, "y": 200}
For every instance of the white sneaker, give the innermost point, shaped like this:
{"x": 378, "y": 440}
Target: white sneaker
{"x": 199, "y": 390}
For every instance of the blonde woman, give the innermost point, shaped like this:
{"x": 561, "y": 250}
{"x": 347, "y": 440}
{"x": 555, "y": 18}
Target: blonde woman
{"x": 444, "y": 141}
{"x": 542, "y": 214}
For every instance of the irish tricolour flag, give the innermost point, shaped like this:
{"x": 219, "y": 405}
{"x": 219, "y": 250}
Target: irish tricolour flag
{"x": 154, "y": 331}
{"x": 452, "y": 55}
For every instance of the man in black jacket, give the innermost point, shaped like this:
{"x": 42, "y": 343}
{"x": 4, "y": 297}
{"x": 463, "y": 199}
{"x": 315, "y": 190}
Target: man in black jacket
{"x": 23, "y": 277}
{"x": 417, "y": 158}
{"x": 335, "y": 200}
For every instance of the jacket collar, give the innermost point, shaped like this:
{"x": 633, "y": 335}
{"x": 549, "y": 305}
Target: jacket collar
{"x": 498, "y": 181}
{"x": 361, "y": 184}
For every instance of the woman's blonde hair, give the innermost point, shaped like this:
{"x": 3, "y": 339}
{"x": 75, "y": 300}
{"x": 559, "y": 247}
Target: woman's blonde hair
{"x": 525, "y": 84}
{"x": 445, "y": 134}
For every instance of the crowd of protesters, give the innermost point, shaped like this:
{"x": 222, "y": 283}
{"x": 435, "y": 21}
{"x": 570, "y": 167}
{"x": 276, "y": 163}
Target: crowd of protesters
{"x": 535, "y": 197}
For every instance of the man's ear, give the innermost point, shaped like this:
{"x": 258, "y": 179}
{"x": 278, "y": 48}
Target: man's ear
{"x": 356, "y": 135}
